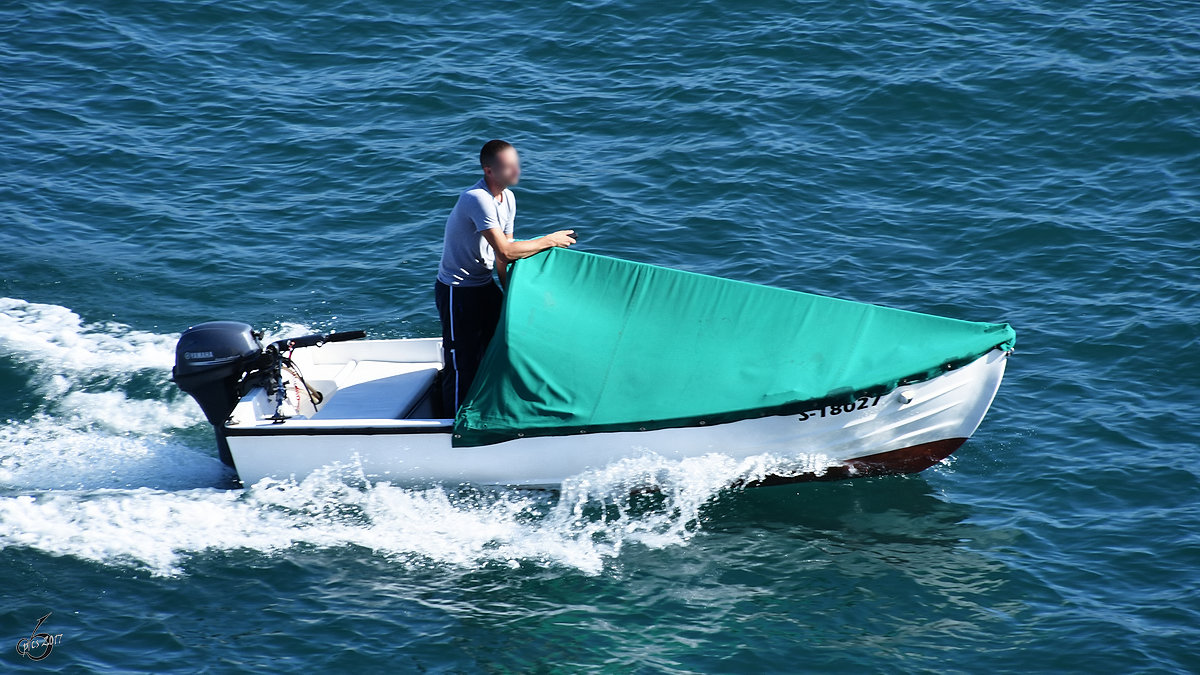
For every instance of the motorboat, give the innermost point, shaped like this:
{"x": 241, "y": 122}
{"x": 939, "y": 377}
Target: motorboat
{"x": 597, "y": 360}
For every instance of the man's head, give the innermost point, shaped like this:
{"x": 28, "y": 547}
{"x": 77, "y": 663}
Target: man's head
{"x": 500, "y": 162}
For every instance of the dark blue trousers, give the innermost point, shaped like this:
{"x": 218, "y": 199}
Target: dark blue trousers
{"x": 469, "y": 317}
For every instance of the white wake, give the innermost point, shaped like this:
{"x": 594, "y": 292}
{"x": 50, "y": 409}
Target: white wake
{"x": 122, "y": 478}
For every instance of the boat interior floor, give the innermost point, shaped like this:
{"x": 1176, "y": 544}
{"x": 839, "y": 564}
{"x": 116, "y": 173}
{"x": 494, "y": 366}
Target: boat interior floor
{"x": 378, "y": 390}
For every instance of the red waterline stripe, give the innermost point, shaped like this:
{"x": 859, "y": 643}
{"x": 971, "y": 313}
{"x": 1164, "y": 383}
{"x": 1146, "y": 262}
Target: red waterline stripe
{"x": 912, "y": 459}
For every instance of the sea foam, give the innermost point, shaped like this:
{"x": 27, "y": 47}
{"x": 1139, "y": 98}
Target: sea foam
{"x": 100, "y": 474}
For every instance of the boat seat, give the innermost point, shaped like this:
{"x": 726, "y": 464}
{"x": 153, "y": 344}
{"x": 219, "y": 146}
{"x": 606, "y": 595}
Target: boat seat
{"x": 377, "y": 390}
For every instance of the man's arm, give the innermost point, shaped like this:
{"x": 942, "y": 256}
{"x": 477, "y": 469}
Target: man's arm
{"x": 502, "y": 264}
{"x": 508, "y": 251}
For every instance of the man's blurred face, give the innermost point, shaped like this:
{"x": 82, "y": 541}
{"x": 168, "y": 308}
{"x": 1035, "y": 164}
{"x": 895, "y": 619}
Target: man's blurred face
{"x": 506, "y": 168}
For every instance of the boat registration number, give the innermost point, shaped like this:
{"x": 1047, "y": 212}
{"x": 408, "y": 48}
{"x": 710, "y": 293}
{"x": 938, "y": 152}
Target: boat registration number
{"x": 840, "y": 409}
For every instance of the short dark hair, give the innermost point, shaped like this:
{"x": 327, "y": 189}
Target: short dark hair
{"x": 487, "y": 155}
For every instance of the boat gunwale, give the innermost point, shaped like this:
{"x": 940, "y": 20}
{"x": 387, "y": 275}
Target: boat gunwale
{"x": 340, "y": 428}
{"x": 381, "y": 427}
{"x": 484, "y": 437}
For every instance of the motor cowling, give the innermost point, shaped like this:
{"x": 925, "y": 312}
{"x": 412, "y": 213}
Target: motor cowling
{"x": 210, "y": 359}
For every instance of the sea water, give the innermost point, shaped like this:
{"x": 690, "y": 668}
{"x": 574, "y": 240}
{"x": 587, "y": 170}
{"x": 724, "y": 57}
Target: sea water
{"x": 292, "y": 165}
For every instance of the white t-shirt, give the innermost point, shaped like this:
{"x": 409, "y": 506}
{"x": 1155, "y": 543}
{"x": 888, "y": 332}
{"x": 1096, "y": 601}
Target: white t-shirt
{"x": 467, "y": 258}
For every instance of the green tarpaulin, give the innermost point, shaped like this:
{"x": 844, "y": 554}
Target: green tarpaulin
{"x": 588, "y": 343}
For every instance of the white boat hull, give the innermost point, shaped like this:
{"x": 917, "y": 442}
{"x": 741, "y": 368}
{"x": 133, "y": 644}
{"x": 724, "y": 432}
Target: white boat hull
{"x": 903, "y": 431}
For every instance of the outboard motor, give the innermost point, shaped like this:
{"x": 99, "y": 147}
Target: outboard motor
{"x": 210, "y": 359}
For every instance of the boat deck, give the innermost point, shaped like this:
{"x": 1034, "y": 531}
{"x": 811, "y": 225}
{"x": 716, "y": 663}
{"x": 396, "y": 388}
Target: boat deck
{"x": 368, "y": 380}
{"x": 377, "y": 389}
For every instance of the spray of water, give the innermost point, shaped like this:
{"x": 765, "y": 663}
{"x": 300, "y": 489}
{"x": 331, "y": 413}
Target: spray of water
{"x": 104, "y": 474}
{"x": 89, "y": 430}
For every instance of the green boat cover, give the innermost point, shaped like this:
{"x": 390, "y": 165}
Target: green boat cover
{"x": 588, "y": 343}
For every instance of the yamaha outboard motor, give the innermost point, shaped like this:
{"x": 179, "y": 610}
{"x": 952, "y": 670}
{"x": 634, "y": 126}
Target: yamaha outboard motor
{"x": 210, "y": 359}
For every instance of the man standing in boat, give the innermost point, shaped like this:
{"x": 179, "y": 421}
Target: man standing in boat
{"x": 479, "y": 234}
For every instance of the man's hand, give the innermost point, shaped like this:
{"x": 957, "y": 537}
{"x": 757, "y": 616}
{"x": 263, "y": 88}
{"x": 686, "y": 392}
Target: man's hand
{"x": 560, "y": 239}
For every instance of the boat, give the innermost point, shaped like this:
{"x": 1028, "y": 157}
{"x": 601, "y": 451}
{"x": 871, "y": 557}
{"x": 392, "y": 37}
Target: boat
{"x": 597, "y": 360}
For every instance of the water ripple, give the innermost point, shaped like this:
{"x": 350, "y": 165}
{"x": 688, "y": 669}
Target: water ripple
{"x": 168, "y": 162}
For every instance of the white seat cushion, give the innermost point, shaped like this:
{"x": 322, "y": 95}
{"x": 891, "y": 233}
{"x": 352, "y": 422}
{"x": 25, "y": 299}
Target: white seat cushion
{"x": 377, "y": 390}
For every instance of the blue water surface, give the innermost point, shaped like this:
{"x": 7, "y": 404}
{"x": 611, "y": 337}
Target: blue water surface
{"x": 291, "y": 165}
